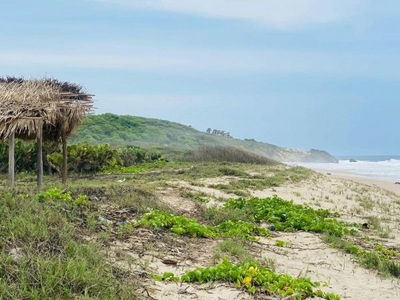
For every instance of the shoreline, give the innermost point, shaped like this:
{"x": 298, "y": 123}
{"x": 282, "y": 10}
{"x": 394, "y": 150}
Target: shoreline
{"x": 386, "y": 171}
{"x": 385, "y": 184}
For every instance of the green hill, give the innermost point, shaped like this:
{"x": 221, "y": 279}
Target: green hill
{"x": 155, "y": 133}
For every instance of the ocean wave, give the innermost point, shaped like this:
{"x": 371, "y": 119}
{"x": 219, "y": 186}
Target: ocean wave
{"x": 388, "y": 170}
{"x": 390, "y": 162}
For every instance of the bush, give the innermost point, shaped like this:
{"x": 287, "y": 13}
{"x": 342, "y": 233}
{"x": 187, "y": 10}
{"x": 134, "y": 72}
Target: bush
{"x": 25, "y": 156}
{"x": 85, "y": 158}
{"x": 228, "y": 154}
{"x": 287, "y": 216}
{"x": 132, "y": 155}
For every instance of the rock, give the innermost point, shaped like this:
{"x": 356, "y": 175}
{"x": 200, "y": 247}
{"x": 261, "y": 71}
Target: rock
{"x": 352, "y": 160}
{"x": 93, "y": 198}
{"x": 169, "y": 261}
{"x": 17, "y": 254}
{"x": 104, "y": 220}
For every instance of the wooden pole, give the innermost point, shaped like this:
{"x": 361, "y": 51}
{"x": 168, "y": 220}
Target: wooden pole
{"x": 65, "y": 160}
{"x": 11, "y": 159}
{"x": 40, "y": 159}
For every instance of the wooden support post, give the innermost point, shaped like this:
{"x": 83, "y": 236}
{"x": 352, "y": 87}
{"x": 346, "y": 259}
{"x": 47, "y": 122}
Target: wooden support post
{"x": 40, "y": 159}
{"x": 65, "y": 159}
{"x": 11, "y": 159}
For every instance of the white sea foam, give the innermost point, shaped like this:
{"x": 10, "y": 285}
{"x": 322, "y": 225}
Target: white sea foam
{"x": 388, "y": 170}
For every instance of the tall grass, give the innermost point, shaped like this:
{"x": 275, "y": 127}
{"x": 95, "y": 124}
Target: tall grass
{"x": 228, "y": 154}
{"x": 43, "y": 257}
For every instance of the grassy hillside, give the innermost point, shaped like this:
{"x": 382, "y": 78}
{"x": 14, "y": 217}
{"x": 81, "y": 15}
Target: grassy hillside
{"x": 146, "y": 132}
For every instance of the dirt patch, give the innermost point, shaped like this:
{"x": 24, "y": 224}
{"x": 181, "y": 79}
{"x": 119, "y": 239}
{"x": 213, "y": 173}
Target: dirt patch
{"x": 171, "y": 196}
{"x": 307, "y": 255}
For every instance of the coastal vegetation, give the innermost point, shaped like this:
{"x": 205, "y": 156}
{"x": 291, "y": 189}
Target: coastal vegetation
{"x": 172, "y": 139}
{"x": 130, "y": 215}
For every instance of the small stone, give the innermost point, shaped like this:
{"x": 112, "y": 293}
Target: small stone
{"x": 17, "y": 254}
{"x": 104, "y": 220}
{"x": 93, "y": 199}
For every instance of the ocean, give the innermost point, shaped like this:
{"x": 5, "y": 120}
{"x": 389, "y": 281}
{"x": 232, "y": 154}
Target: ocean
{"x": 382, "y": 167}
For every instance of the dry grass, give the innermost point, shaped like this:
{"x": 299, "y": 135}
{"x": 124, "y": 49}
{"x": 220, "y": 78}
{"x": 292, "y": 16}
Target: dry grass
{"x": 30, "y": 107}
{"x": 228, "y": 154}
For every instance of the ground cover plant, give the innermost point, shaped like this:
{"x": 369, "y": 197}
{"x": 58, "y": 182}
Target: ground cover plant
{"x": 287, "y": 216}
{"x": 254, "y": 278}
{"x": 380, "y": 258}
{"x": 140, "y": 168}
{"x": 277, "y": 176}
{"x": 188, "y": 226}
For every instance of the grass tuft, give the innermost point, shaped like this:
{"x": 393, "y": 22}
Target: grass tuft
{"x": 43, "y": 257}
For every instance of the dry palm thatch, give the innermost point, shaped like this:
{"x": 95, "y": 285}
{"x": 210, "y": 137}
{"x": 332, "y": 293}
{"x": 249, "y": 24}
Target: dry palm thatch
{"x": 44, "y": 108}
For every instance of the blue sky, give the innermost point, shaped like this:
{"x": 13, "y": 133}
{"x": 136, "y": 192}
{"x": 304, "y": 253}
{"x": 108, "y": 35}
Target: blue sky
{"x": 295, "y": 73}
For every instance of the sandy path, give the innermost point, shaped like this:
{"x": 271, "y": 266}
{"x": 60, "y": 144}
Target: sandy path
{"x": 309, "y": 256}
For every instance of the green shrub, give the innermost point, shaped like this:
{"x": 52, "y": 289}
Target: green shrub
{"x": 187, "y": 226}
{"x": 287, "y": 216}
{"x": 56, "y": 194}
{"x": 25, "y": 156}
{"x": 253, "y": 277}
{"x": 85, "y": 158}
{"x": 132, "y": 155}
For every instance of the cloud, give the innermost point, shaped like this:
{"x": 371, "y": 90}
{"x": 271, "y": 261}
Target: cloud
{"x": 146, "y": 101}
{"x": 285, "y": 14}
{"x": 195, "y": 61}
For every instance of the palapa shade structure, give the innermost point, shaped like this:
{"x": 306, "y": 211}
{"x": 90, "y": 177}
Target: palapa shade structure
{"x": 41, "y": 109}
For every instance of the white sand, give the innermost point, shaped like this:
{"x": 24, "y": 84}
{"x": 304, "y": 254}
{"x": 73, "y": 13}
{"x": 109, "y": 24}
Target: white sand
{"x": 357, "y": 199}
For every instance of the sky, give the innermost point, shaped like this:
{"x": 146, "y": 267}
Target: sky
{"x": 322, "y": 74}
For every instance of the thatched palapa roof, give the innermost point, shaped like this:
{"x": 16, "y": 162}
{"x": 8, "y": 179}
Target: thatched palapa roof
{"x": 30, "y": 108}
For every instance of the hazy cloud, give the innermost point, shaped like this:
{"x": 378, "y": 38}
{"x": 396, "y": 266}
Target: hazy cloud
{"x": 153, "y": 59}
{"x": 287, "y": 14}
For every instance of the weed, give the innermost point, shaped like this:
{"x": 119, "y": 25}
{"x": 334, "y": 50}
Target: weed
{"x": 234, "y": 248}
{"x": 53, "y": 263}
{"x": 232, "y": 172}
{"x": 196, "y": 196}
{"x": 253, "y": 277}
{"x": 215, "y": 215}
{"x": 269, "y": 263}
{"x": 377, "y": 259}
{"x": 280, "y": 243}
{"x": 187, "y": 226}
{"x": 287, "y": 216}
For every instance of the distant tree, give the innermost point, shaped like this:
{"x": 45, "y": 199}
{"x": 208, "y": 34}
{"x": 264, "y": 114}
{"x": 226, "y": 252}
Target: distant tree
{"x": 208, "y": 130}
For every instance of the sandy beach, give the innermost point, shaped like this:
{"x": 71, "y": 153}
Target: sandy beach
{"x": 385, "y": 184}
{"x": 357, "y": 199}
